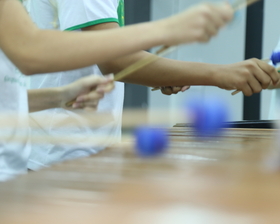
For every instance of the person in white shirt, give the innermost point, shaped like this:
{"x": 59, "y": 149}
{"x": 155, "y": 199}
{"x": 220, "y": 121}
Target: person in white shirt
{"x": 31, "y": 50}
{"x": 84, "y": 15}
{"x": 74, "y": 15}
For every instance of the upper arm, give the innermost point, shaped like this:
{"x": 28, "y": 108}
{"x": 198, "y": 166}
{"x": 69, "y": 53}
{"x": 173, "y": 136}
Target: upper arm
{"x": 90, "y": 15}
{"x": 16, "y": 30}
{"x": 101, "y": 26}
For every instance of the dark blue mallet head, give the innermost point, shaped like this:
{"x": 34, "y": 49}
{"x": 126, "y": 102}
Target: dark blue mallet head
{"x": 151, "y": 141}
{"x": 275, "y": 57}
{"x": 209, "y": 115}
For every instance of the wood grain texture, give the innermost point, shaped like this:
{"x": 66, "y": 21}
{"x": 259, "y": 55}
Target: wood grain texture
{"x": 211, "y": 181}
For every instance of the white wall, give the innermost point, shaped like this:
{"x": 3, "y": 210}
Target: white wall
{"x": 228, "y": 47}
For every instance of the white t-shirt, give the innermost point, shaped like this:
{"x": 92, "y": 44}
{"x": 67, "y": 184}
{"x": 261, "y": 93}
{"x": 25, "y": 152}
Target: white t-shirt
{"x": 275, "y": 98}
{"x": 73, "y": 15}
{"x": 14, "y": 130}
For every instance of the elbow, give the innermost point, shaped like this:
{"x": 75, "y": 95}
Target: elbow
{"x": 25, "y": 70}
{"x": 27, "y": 65}
{"x": 110, "y": 67}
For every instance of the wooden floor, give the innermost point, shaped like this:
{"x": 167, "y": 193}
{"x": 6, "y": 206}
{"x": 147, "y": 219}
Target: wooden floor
{"x": 224, "y": 180}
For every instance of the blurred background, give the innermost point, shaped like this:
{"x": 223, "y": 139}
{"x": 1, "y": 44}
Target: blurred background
{"x": 253, "y": 33}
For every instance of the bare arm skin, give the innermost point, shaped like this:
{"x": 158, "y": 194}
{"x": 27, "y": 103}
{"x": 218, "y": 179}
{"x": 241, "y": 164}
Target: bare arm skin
{"x": 277, "y": 85}
{"x": 87, "y": 91}
{"x": 250, "y": 76}
{"x": 39, "y": 51}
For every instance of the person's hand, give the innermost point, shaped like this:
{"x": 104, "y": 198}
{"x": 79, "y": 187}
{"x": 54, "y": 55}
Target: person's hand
{"x": 169, "y": 90}
{"x": 271, "y": 86}
{"x": 86, "y": 91}
{"x": 277, "y": 85}
{"x": 197, "y": 24}
{"x": 250, "y": 76}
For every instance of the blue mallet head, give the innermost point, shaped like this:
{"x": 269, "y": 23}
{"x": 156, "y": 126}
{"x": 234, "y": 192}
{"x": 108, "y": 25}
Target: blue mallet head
{"x": 275, "y": 57}
{"x": 209, "y": 116}
{"x": 150, "y": 141}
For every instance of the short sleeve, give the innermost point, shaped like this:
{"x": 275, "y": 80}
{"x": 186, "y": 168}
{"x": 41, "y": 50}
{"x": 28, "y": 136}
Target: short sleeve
{"x": 77, "y": 14}
{"x": 42, "y": 13}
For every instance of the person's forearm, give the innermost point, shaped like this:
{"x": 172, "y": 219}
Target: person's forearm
{"x": 37, "y": 51}
{"x": 75, "y": 50}
{"x": 163, "y": 72}
{"x": 277, "y": 86}
{"x": 42, "y": 99}
{"x": 271, "y": 86}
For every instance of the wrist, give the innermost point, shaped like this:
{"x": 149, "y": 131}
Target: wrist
{"x": 43, "y": 99}
{"x": 58, "y": 96}
{"x": 215, "y": 78}
{"x": 206, "y": 74}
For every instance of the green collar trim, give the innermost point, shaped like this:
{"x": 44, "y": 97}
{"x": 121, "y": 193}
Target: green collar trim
{"x": 92, "y": 23}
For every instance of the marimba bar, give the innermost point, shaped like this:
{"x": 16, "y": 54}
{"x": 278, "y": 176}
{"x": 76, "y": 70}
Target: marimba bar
{"x": 214, "y": 181}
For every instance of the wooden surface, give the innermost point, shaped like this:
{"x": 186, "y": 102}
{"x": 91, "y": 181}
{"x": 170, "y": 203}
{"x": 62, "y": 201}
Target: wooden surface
{"x": 213, "y": 181}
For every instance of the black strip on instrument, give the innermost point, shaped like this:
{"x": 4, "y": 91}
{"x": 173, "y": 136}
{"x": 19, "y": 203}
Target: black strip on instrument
{"x": 258, "y": 124}
{"x": 253, "y": 48}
